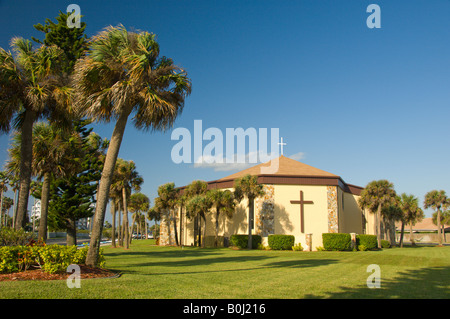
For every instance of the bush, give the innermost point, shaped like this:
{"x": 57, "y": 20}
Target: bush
{"x": 362, "y": 248}
{"x": 241, "y": 241}
{"x": 297, "y": 247}
{"x": 281, "y": 242}
{"x": 336, "y": 241}
{"x": 11, "y": 237}
{"x": 385, "y": 244}
{"x": 369, "y": 241}
{"x": 51, "y": 258}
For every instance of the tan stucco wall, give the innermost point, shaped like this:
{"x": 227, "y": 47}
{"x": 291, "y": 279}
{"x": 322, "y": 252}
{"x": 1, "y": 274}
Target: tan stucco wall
{"x": 350, "y": 221}
{"x": 287, "y": 215}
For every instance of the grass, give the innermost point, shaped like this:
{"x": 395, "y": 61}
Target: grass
{"x": 192, "y": 273}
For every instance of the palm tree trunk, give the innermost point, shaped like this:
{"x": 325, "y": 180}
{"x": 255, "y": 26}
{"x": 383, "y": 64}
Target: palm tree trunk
{"x": 1, "y": 208}
{"x": 175, "y": 226}
{"x": 125, "y": 218}
{"x": 105, "y": 184}
{"x": 119, "y": 227}
{"x": 250, "y": 222}
{"x": 130, "y": 236}
{"x": 14, "y": 214}
{"x": 42, "y": 234}
{"x": 411, "y": 233}
{"x": 181, "y": 225}
{"x": 26, "y": 151}
{"x": 113, "y": 232}
{"x": 379, "y": 226}
{"x": 204, "y": 231}
{"x": 216, "y": 239}
{"x": 146, "y": 227}
{"x": 402, "y": 232}
{"x": 439, "y": 227}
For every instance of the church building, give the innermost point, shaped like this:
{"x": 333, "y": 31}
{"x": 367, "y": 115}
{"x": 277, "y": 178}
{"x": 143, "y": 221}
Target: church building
{"x": 299, "y": 200}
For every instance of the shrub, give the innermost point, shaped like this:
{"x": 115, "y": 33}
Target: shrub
{"x": 336, "y": 241}
{"x": 362, "y": 248}
{"x": 11, "y": 237}
{"x": 241, "y": 241}
{"x": 9, "y": 259}
{"x": 369, "y": 241}
{"x": 385, "y": 244}
{"x": 281, "y": 242}
{"x": 297, "y": 247}
{"x": 51, "y": 258}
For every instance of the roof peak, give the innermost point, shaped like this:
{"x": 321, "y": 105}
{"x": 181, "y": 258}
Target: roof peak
{"x": 286, "y": 166}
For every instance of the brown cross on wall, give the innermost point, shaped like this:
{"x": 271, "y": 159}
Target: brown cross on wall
{"x": 302, "y": 202}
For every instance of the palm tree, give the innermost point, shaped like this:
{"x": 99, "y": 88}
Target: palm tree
{"x": 128, "y": 180}
{"x": 195, "y": 188}
{"x": 7, "y": 204}
{"x": 115, "y": 196}
{"x": 437, "y": 200}
{"x": 154, "y": 214}
{"x": 198, "y": 206}
{"x": 54, "y": 154}
{"x": 181, "y": 202}
{"x": 31, "y": 86}
{"x": 225, "y": 203}
{"x": 376, "y": 196}
{"x": 139, "y": 205}
{"x": 122, "y": 73}
{"x": 249, "y": 187}
{"x": 412, "y": 213}
{"x": 165, "y": 203}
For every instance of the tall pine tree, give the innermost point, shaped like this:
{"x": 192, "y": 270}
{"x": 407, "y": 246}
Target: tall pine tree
{"x": 73, "y": 198}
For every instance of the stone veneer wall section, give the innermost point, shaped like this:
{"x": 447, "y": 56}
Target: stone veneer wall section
{"x": 166, "y": 231}
{"x": 265, "y": 212}
{"x": 332, "y": 205}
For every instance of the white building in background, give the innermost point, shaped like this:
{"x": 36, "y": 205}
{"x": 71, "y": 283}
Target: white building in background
{"x": 36, "y": 210}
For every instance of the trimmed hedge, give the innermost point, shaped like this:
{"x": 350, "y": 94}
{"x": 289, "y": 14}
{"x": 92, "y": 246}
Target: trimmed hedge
{"x": 281, "y": 242}
{"x": 368, "y": 241}
{"x": 336, "y": 241}
{"x": 241, "y": 241}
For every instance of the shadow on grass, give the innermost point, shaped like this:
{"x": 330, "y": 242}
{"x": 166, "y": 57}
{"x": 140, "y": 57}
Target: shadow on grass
{"x": 190, "y": 266}
{"x": 177, "y": 252}
{"x": 423, "y": 283}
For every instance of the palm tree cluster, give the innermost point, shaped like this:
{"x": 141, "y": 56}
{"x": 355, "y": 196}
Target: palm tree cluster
{"x": 114, "y": 76}
{"x": 198, "y": 201}
{"x": 380, "y": 198}
{"x": 126, "y": 180}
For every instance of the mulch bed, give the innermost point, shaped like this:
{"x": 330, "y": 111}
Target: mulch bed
{"x": 38, "y": 274}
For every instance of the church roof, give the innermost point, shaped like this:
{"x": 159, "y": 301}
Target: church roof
{"x": 286, "y": 167}
{"x": 290, "y": 172}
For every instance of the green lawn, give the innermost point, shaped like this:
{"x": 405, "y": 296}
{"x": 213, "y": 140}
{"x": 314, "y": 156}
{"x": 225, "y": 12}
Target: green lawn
{"x": 186, "y": 273}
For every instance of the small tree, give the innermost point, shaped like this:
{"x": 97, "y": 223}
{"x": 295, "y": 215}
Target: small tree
{"x": 195, "y": 188}
{"x": 249, "y": 187}
{"x": 225, "y": 203}
{"x": 437, "y": 200}
{"x": 375, "y": 196}
{"x": 411, "y": 213}
{"x": 139, "y": 205}
{"x": 199, "y": 206}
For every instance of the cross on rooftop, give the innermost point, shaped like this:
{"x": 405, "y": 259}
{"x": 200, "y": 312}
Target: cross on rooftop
{"x": 281, "y": 143}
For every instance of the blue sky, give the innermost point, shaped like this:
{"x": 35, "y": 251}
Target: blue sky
{"x": 361, "y": 103}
